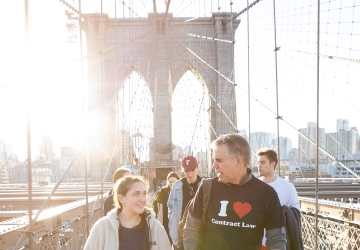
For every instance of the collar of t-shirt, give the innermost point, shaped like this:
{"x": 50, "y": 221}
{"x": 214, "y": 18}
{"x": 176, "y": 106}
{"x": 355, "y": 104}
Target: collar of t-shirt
{"x": 246, "y": 179}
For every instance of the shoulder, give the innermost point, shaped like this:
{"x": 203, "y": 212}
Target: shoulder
{"x": 177, "y": 184}
{"x": 282, "y": 181}
{"x": 151, "y": 217}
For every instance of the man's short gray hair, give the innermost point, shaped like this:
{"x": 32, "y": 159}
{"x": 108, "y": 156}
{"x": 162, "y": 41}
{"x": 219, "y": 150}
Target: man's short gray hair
{"x": 236, "y": 144}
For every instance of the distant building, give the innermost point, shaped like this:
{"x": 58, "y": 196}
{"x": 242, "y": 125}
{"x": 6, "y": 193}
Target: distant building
{"x": 202, "y": 159}
{"x": 342, "y": 124}
{"x": 285, "y": 147}
{"x": 76, "y": 171}
{"x": 306, "y": 149}
{"x": 294, "y": 156}
{"x": 341, "y": 142}
{"x": 46, "y": 147}
{"x": 4, "y": 172}
{"x": 260, "y": 140}
{"x": 351, "y": 162}
{"x": 5, "y": 150}
{"x": 17, "y": 172}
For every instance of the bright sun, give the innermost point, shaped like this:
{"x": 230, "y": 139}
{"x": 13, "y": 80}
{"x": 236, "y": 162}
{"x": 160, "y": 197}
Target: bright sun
{"x": 40, "y": 79}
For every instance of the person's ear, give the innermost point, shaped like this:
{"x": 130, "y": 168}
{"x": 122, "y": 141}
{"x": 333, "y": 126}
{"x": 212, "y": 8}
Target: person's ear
{"x": 273, "y": 164}
{"x": 121, "y": 198}
{"x": 239, "y": 160}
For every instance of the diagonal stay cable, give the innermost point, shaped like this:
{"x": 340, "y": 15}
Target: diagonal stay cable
{"x": 241, "y": 12}
{"x": 208, "y": 37}
{"x": 76, "y": 11}
{"x": 277, "y": 116}
{"x": 21, "y": 239}
{"x": 197, "y": 119}
{"x": 207, "y": 64}
{"x": 217, "y": 103}
{"x": 134, "y": 65}
{"x": 123, "y": 2}
{"x": 103, "y": 181}
{"x": 114, "y": 47}
{"x": 344, "y": 149}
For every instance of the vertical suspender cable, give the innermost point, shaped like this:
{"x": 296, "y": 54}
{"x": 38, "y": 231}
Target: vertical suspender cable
{"x": 85, "y": 134}
{"x": 277, "y": 91}
{"x": 101, "y": 103}
{"x": 29, "y": 232}
{"x": 117, "y": 88}
{"x": 248, "y": 41}
{"x": 317, "y": 127}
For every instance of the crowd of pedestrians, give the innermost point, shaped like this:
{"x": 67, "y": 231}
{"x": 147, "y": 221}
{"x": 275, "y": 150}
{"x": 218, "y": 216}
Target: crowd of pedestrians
{"x": 236, "y": 210}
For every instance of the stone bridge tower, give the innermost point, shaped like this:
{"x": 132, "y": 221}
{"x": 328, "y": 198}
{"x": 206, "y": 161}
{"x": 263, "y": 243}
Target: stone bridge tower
{"x": 160, "y": 49}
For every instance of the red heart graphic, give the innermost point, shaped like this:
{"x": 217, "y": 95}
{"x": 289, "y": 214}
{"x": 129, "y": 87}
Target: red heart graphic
{"x": 241, "y": 209}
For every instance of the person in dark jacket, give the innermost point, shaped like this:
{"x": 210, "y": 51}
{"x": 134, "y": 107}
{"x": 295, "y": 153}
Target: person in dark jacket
{"x": 109, "y": 201}
{"x": 293, "y": 228}
{"x": 161, "y": 199}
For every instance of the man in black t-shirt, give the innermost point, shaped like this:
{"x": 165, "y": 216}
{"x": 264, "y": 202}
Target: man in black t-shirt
{"x": 240, "y": 206}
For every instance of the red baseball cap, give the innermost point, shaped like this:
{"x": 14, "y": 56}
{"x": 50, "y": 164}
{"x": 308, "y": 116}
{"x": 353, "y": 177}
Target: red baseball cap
{"x": 189, "y": 163}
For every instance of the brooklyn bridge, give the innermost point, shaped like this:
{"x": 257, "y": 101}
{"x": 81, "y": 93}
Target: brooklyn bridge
{"x": 142, "y": 84}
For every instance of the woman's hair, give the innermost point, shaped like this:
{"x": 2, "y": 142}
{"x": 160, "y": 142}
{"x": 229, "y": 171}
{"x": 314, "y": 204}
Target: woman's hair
{"x": 123, "y": 185}
{"x": 119, "y": 173}
{"x": 172, "y": 174}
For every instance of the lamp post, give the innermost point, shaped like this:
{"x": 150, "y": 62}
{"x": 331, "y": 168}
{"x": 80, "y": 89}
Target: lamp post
{"x": 138, "y": 137}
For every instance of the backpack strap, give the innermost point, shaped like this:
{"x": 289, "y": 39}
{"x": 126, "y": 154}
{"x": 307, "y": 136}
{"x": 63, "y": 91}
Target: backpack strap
{"x": 207, "y": 185}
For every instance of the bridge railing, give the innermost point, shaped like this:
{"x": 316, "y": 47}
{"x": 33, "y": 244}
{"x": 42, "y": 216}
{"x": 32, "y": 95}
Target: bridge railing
{"x": 64, "y": 227}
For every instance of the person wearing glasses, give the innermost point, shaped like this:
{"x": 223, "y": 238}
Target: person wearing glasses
{"x": 240, "y": 205}
{"x": 161, "y": 199}
{"x": 181, "y": 193}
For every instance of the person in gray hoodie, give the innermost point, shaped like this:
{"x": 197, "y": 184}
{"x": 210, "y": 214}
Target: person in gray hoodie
{"x": 130, "y": 225}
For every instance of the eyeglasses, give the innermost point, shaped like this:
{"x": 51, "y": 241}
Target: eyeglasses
{"x": 226, "y": 137}
{"x": 192, "y": 192}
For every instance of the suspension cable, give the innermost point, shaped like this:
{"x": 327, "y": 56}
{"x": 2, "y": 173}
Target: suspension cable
{"x": 248, "y": 62}
{"x": 277, "y": 91}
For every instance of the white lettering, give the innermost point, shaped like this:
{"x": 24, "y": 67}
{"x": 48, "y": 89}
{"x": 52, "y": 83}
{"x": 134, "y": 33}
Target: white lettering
{"x": 187, "y": 162}
{"x": 223, "y": 208}
{"x": 232, "y": 224}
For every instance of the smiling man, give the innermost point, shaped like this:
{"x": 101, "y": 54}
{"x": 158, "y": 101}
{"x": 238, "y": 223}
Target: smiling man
{"x": 240, "y": 206}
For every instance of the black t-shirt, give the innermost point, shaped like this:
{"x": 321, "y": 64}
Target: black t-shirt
{"x": 237, "y": 215}
{"x": 186, "y": 189}
{"x": 131, "y": 238}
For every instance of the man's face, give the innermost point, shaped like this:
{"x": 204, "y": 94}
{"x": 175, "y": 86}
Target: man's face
{"x": 191, "y": 176}
{"x": 265, "y": 168}
{"x": 225, "y": 165}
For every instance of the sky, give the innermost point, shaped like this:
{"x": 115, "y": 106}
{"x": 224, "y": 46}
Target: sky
{"x": 43, "y": 79}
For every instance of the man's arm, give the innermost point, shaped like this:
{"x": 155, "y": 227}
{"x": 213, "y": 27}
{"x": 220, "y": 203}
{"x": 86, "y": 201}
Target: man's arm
{"x": 293, "y": 199}
{"x": 276, "y": 239}
{"x": 191, "y": 232}
{"x": 170, "y": 203}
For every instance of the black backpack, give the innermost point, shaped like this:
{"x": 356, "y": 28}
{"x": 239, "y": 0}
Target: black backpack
{"x": 207, "y": 184}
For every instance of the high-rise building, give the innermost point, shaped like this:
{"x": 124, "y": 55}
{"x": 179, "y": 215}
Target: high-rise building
{"x": 340, "y": 143}
{"x": 342, "y": 124}
{"x": 260, "y": 140}
{"x": 46, "y": 147}
{"x": 285, "y": 147}
{"x": 307, "y": 149}
{"x": 294, "y": 156}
